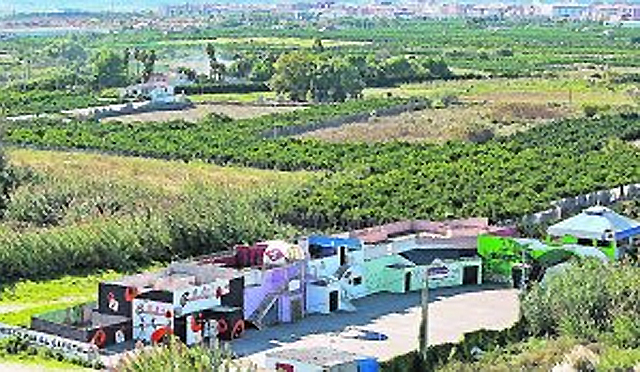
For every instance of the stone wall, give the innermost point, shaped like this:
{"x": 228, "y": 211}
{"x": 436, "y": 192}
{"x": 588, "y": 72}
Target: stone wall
{"x": 566, "y": 207}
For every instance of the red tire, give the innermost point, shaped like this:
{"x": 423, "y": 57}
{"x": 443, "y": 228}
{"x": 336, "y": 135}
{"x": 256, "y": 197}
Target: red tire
{"x": 99, "y": 339}
{"x": 238, "y": 329}
{"x": 223, "y": 326}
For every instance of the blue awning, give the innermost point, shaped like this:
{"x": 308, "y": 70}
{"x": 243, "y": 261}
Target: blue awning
{"x": 328, "y": 241}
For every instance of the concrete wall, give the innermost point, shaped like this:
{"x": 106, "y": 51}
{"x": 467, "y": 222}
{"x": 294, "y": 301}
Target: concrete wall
{"x": 565, "y": 207}
{"x": 317, "y": 300}
{"x": 380, "y": 278}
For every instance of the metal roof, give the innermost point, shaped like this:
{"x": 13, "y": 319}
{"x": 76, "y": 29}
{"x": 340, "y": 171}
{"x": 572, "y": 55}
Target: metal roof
{"x": 318, "y": 356}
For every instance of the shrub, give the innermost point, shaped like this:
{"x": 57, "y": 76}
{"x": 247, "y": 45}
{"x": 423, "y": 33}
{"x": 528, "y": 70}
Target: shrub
{"x": 176, "y": 357}
{"x": 213, "y": 88}
{"x": 589, "y": 301}
{"x": 617, "y": 359}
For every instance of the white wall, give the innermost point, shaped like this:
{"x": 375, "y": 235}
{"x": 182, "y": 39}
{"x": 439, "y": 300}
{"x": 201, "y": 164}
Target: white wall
{"x": 318, "y": 297}
{"x": 324, "y": 267}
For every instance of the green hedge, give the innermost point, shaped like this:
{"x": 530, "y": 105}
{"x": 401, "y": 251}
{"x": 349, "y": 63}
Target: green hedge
{"x": 205, "y": 88}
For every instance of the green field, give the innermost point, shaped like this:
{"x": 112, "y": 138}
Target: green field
{"x": 259, "y": 41}
{"x": 19, "y": 301}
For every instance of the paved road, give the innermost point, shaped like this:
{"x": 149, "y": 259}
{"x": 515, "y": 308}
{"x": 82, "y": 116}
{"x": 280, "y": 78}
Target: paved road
{"x": 452, "y": 312}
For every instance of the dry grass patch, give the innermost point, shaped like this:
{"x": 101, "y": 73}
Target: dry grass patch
{"x": 171, "y": 176}
{"x": 464, "y": 122}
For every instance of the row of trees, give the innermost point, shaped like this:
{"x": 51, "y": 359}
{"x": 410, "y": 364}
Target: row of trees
{"x": 111, "y": 69}
{"x": 327, "y": 76}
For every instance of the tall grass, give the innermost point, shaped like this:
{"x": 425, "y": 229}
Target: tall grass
{"x": 176, "y": 357}
{"x": 205, "y": 222}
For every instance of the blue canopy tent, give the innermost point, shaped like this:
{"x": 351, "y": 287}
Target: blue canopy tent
{"x": 597, "y": 223}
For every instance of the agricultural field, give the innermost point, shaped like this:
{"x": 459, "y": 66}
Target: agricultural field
{"x": 464, "y": 110}
{"x": 167, "y": 176}
{"x": 463, "y": 121}
{"x": 202, "y": 110}
{"x": 260, "y": 41}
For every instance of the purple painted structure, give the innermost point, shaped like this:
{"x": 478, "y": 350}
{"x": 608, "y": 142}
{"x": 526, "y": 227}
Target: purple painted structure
{"x": 280, "y": 285}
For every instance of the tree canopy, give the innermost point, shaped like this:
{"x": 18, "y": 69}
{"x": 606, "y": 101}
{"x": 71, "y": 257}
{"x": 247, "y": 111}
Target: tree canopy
{"x": 108, "y": 69}
{"x": 321, "y": 77}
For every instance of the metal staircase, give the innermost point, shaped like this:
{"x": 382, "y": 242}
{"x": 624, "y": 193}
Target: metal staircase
{"x": 261, "y": 311}
{"x": 269, "y": 300}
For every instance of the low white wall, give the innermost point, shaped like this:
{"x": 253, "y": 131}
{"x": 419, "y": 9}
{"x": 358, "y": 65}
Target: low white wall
{"x": 70, "y": 348}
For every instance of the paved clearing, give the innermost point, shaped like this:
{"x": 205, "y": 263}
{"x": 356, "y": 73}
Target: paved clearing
{"x": 199, "y": 111}
{"x": 452, "y": 312}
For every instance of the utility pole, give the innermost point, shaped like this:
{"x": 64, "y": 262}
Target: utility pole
{"x": 424, "y": 322}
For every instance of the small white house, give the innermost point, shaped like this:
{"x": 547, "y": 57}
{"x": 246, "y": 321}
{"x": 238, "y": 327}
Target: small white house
{"x": 157, "y": 92}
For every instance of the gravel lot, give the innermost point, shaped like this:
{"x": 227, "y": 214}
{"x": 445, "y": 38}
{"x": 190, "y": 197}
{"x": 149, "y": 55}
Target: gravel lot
{"x": 452, "y": 312}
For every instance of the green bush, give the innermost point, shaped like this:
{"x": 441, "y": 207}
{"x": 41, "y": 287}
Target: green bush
{"x": 463, "y": 351}
{"x": 588, "y": 301}
{"x": 617, "y": 359}
{"x": 176, "y": 357}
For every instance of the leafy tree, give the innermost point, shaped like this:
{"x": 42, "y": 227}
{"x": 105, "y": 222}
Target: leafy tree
{"x": 148, "y": 60}
{"x": 262, "y": 70}
{"x": 317, "y": 45}
{"x": 216, "y": 68}
{"x": 321, "y": 78}
{"x": 108, "y": 69}
{"x": 293, "y": 74}
{"x": 148, "y": 64}
{"x": 335, "y": 80}
{"x": 241, "y": 66}
{"x": 190, "y": 73}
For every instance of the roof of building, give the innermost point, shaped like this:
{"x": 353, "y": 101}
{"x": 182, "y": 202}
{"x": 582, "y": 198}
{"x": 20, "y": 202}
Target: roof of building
{"x": 427, "y": 256}
{"x": 180, "y": 275}
{"x": 319, "y": 356}
{"x": 595, "y": 223}
{"x": 451, "y": 229}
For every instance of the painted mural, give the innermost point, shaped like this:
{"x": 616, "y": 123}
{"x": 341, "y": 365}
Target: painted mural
{"x": 152, "y": 320}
